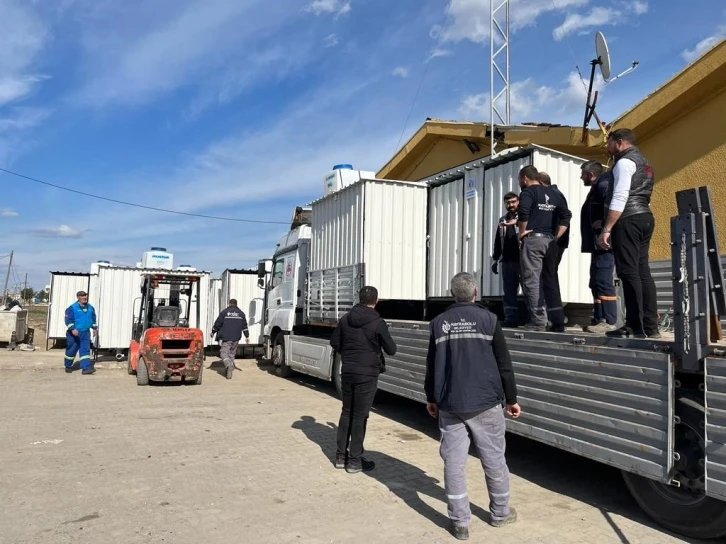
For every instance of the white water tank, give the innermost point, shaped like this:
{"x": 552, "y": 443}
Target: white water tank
{"x": 98, "y": 264}
{"x": 343, "y": 175}
{"x": 186, "y": 268}
{"x": 158, "y": 257}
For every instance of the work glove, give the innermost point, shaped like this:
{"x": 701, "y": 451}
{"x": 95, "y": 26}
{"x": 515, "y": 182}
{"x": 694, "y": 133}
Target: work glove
{"x": 495, "y": 267}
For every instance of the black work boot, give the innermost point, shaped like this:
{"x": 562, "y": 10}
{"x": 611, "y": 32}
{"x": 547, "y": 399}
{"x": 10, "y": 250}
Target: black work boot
{"x": 360, "y": 466}
{"x": 68, "y": 370}
{"x": 460, "y": 532}
{"x": 339, "y": 461}
{"x": 511, "y": 518}
{"x": 230, "y": 370}
{"x": 88, "y": 370}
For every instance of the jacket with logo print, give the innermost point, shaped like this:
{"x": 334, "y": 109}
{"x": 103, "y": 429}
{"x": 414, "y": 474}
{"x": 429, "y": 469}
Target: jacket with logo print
{"x": 230, "y": 325}
{"x": 468, "y": 368}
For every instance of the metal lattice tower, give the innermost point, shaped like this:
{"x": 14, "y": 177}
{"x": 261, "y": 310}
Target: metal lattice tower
{"x": 498, "y": 78}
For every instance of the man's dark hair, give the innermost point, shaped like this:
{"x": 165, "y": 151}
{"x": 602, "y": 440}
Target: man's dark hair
{"x": 528, "y": 172}
{"x": 624, "y": 134}
{"x": 233, "y": 302}
{"x": 593, "y": 167}
{"x": 544, "y": 178}
{"x": 368, "y": 295}
{"x": 510, "y": 195}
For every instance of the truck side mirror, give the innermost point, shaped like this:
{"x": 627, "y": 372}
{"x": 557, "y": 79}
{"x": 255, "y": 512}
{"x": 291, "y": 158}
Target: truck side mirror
{"x": 261, "y": 283}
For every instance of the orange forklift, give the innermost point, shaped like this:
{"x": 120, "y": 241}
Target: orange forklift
{"x": 164, "y": 348}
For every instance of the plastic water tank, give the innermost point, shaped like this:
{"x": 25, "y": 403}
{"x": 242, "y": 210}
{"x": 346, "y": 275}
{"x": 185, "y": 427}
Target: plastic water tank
{"x": 186, "y": 268}
{"x": 158, "y": 257}
{"x": 335, "y": 179}
{"x": 99, "y": 264}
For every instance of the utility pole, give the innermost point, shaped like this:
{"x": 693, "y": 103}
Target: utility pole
{"x": 26, "y": 289}
{"x": 7, "y": 277}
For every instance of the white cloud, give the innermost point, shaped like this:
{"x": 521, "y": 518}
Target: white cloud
{"x": 23, "y": 119}
{"x": 532, "y": 102}
{"x": 7, "y": 212}
{"x": 338, "y": 7}
{"x": 704, "y": 45}
{"x": 574, "y": 22}
{"x": 470, "y": 18}
{"x": 439, "y": 52}
{"x": 16, "y": 87}
{"x": 332, "y": 40}
{"x": 401, "y": 71}
{"x": 639, "y": 7}
{"x": 63, "y": 231}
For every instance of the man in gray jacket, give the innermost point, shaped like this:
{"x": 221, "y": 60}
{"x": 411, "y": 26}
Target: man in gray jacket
{"x": 229, "y": 327}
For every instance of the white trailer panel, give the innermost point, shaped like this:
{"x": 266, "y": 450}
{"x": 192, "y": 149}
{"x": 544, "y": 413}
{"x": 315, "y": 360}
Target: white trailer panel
{"x": 63, "y": 289}
{"x": 242, "y": 286}
{"x": 464, "y": 213}
{"x": 380, "y": 224}
{"x": 213, "y": 308}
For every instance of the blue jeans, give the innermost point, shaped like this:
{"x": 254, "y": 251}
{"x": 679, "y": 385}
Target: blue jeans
{"x": 81, "y": 345}
{"x": 602, "y": 266}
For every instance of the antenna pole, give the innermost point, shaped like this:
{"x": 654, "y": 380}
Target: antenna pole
{"x": 7, "y": 277}
{"x": 498, "y": 32}
{"x": 589, "y": 109}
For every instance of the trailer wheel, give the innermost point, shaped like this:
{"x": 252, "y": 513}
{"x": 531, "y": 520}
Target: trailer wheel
{"x": 278, "y": 357}
{"x": 685, "y": 510}
{"x": 338, "y": 375}
{"x": 142, "y": 373}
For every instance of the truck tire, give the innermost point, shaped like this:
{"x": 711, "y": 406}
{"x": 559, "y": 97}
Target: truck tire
{"x": 337, "y": 375}
{"x": 687, "y": 512}
{"x": 142, "y": 373}
{"x": 278, "y": 357}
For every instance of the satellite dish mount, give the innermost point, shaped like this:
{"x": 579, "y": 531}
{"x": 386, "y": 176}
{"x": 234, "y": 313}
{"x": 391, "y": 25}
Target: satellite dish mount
{"x": 602, "y": 59}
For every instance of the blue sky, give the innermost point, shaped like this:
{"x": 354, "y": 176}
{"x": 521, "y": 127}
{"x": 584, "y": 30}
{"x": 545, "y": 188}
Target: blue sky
{"x": 237, "y": 108}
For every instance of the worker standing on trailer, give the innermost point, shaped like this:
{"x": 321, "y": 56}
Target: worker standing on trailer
{"x": 469, "y": 377}
{"x": 229, "y": 327}
{"x": 80, "y": 319}
{"x": 602, "y": 261}
{"x": 506, "y": 250}
{"x": 360, "y": 336}
{"x": 564, "y": 241}
{"x": 628, "y": 229}
{"x": 543, "y": 219}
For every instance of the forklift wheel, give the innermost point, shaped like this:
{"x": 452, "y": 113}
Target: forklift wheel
{"x": 130, "y": 369}
{"x": 198, "y": 381}
{"x": 142, "y": 373}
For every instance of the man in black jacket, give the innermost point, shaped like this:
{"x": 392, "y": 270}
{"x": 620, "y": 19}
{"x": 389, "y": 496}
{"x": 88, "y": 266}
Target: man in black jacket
{"x": 506, "y": 249}
{"x": 469, "y": 377}
{"x": 229, "y": 327}
{"x": 359, "y": 338}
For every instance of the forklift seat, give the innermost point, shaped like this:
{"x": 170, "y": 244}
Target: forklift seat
{"x": 166, "y": 316}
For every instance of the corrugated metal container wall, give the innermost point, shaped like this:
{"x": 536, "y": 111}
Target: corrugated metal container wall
{"x": 63, "y": 289}
{"x": 380, "y": 223}
{"x": 394, "y": 248}
{"x": 118, "y": 305}
{"x": 498, "y": 181}
{"x": 213, "y": 308}
{"x": 445, "y": 228}
{"x": 242, "y": 286}
{"x": 337, "y": 229}
{"x": 574, "y": 270}
{"x": 203, "y": 303}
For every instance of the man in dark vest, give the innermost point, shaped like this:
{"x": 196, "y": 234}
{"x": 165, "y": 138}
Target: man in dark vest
{"x": 628, "y": 229}
{"x": 229, "y": 327}
{"x": 506, "y": 250}
{"x": 469, "y": 378}
{"x": 602, "y": 262}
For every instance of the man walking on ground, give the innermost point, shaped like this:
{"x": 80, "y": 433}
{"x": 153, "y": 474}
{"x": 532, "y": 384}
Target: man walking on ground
{"x": 80, "y": 319}
{"x": 541, "y": 210}
{"x": 469, "y": 377}
{"x": 229, "y": 327}
{"x": 602, "y": 262}
{"x": 628, "y": 229}
{"x": 360, "y": 336}
{"x": 506, "y": 250}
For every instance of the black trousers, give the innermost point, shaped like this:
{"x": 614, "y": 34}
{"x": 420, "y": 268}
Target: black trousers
{"x": 631, "y": 243}
{"x": 357, "y": 402}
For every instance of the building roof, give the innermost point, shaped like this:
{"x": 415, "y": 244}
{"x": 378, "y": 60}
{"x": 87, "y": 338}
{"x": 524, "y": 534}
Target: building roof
{"x": 699, "y": 81}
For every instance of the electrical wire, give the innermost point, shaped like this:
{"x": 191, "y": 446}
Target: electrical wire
{"x": 135, "y": 205}
{"x": 423, "y": 76}
{"x": 572, "y": 52}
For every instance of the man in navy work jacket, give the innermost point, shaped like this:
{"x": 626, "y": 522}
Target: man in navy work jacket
{"x": 469, "y": 377}
{"x": 360, "y": 336}
{"x": 229, "y": 327}
{"x": 506, "y": 249}
{"x": 602, "y": 261}
{"x": 80, "y": 319}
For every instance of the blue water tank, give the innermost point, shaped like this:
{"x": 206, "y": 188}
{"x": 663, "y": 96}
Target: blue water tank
{"x": 343, "y": 167}
{"x": 158, "y": 249}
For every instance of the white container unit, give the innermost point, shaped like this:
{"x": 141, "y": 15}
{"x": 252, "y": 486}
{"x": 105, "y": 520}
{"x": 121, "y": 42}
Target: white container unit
{"x": 213, "y": 308}
{"x": 63, "y": 289}
{"x": 242, "y": 286}
{"x": 466, "y": 203}
{"x": 380, "y": 224}
{"x": 119, "y": 300}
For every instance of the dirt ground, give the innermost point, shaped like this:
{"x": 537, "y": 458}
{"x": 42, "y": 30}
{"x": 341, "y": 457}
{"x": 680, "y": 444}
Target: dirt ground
{"x": 96, "y": 459}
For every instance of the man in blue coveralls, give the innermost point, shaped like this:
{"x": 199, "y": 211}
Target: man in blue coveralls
{"x": 80, "y": 320}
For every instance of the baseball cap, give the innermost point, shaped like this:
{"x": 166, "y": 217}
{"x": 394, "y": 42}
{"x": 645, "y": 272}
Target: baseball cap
{"x": 81, "y": 293}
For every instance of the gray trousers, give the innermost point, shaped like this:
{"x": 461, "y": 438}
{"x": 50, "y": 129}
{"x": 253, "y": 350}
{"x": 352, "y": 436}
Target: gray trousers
{"x": 487, "y": 429}
{"x": 228, "y": 351}
{"x": 538, "y": 259}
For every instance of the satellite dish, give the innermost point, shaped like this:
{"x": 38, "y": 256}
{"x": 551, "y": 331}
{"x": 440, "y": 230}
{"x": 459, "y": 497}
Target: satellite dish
{"x": 603, "y": 55}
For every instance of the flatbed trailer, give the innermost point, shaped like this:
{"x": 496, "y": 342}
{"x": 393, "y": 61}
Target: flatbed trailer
{"x": 654, "y": 408}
